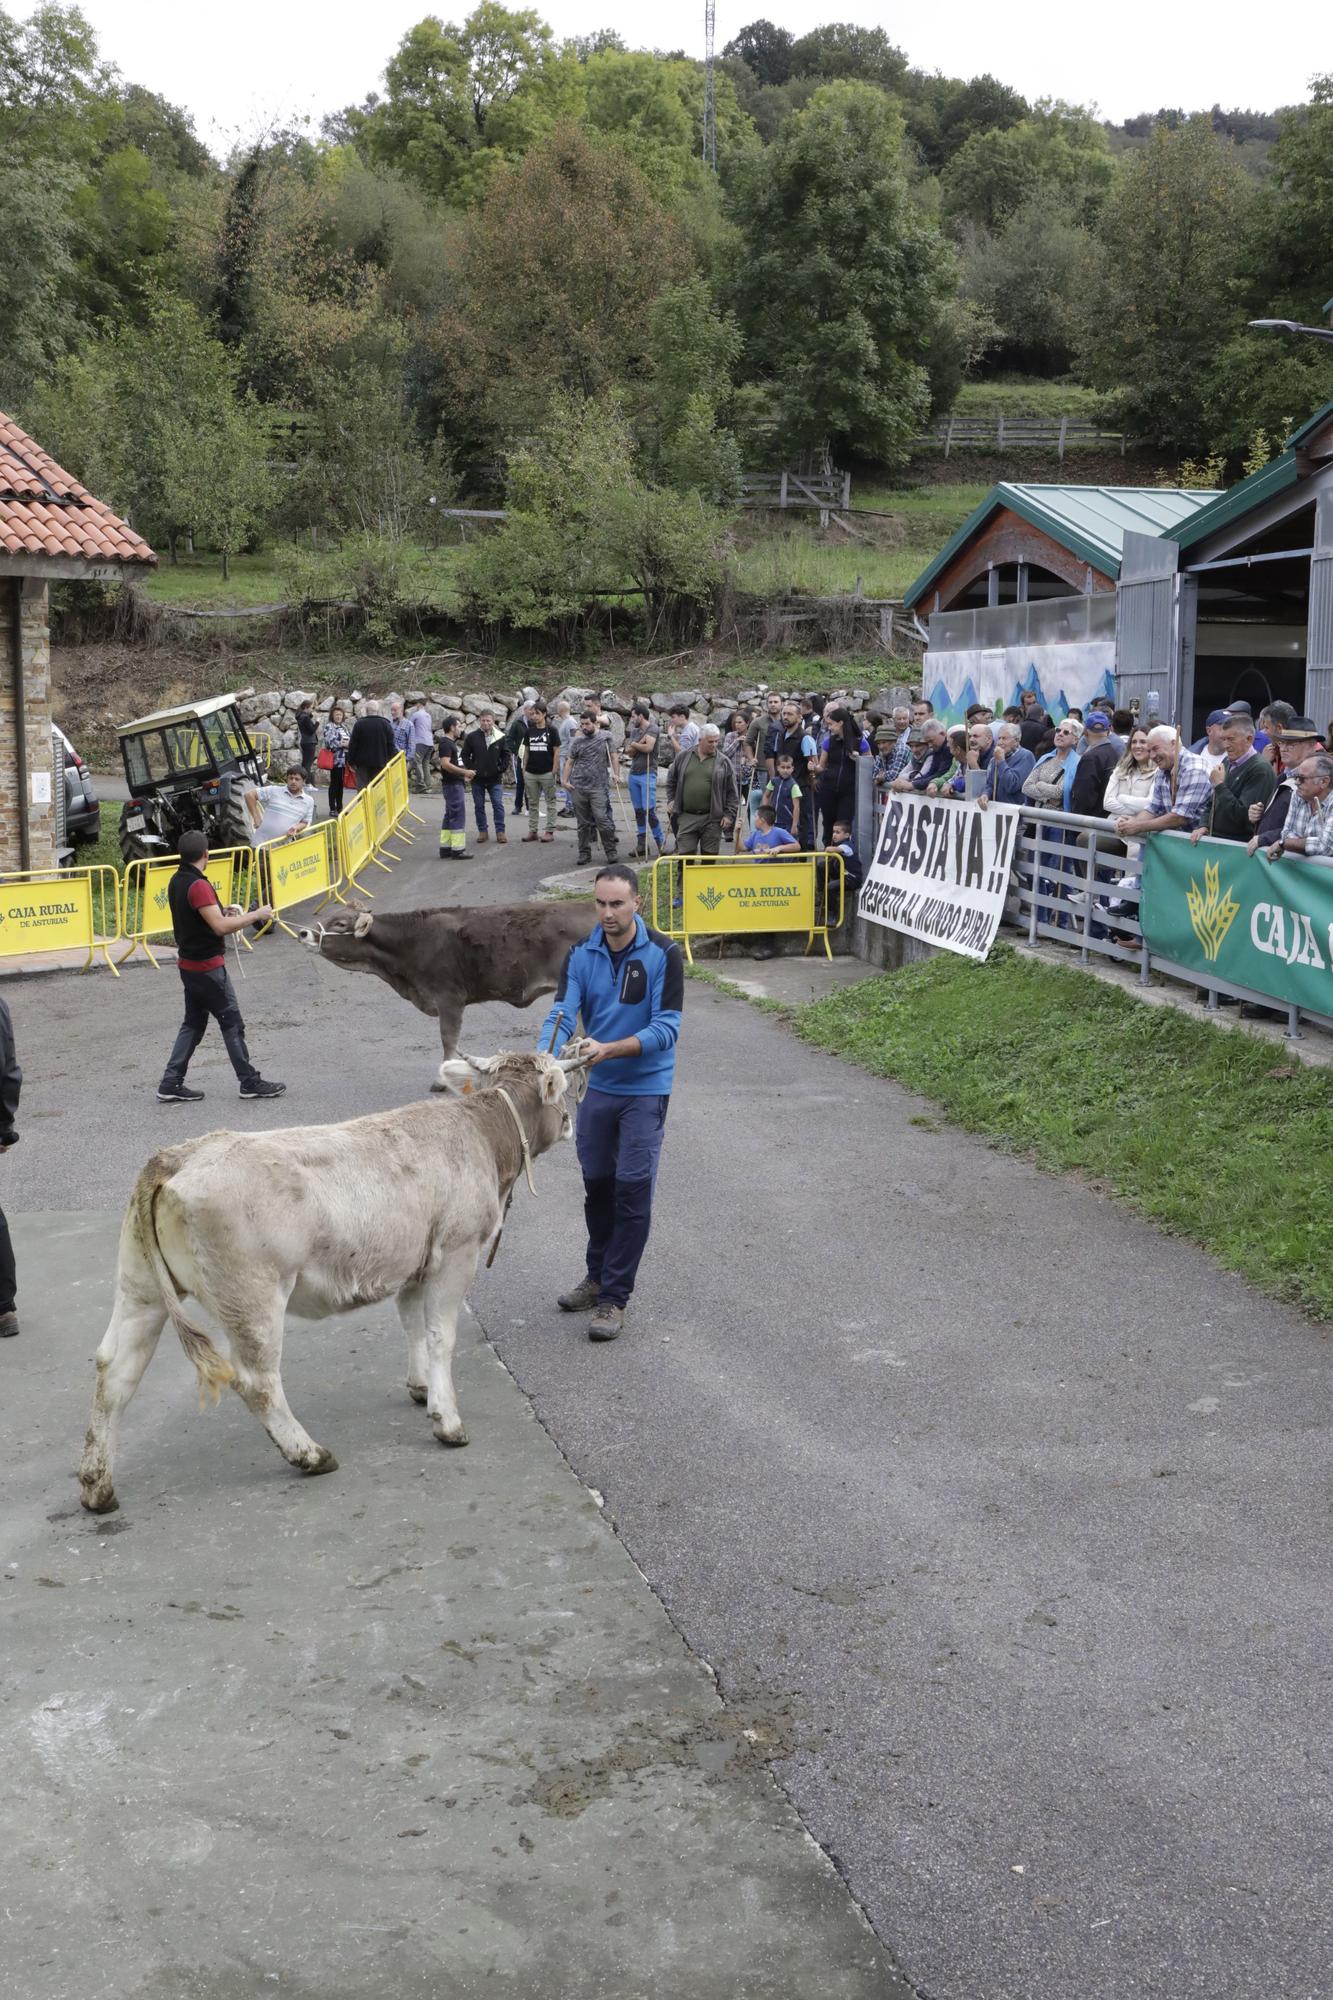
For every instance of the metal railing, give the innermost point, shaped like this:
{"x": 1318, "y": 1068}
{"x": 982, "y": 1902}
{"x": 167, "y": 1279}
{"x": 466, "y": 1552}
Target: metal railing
{"x": 1075, "y": 883}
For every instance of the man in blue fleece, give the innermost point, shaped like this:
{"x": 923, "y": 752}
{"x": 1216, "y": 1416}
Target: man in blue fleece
{"x": 627, "y": 984}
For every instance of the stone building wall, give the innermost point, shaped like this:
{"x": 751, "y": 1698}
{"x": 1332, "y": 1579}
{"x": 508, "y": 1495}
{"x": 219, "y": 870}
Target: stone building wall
{"x": 25, "y": 624}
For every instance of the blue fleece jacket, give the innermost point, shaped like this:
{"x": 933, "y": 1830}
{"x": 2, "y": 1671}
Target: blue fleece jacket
{"x": 642, "y": 996}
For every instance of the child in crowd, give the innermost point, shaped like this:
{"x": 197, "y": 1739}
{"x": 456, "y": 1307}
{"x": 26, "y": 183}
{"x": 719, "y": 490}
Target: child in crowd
{"x": 768, "y": 837}
{"x": 852, "y": 872}
{"x": 784, "y": 795}
{"x": 453, "y": 784}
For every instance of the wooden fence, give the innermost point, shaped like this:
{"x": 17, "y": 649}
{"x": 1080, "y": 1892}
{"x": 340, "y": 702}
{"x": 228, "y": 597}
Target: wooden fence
{"x": 828, "y": 490}
{"x": 1000, "y": 433}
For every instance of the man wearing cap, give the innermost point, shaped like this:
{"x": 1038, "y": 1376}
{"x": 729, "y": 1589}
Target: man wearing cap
{"x": 1101, "y": 752}
{"x": 1241, "y": 782}
{"x": 1210, "y": 745}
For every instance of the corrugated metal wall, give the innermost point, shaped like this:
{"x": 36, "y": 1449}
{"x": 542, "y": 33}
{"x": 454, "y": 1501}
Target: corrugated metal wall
{"x": 1319, "y": 643}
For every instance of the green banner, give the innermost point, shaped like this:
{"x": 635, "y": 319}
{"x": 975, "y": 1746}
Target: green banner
{"x": 1223, "y": 913}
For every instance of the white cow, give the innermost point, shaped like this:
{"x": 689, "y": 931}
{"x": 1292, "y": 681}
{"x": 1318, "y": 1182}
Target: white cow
{"x": 323, "y": 1220}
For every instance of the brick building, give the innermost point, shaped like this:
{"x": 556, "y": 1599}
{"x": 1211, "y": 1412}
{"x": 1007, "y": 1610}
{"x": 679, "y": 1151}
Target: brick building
{"x": 50, "y": 527}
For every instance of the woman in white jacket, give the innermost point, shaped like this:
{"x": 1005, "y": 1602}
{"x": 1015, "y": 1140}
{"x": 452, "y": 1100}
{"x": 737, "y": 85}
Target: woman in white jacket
{"x": 1127, "y": 791}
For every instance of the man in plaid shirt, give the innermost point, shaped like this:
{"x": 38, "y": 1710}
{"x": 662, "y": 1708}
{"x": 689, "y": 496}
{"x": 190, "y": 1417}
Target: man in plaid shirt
{"x": 1180, "y": 793}
{"x": 1309, "y": 827}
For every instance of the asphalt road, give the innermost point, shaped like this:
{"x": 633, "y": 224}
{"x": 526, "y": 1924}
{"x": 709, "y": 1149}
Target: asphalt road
{"x": 1012, "y": 1510}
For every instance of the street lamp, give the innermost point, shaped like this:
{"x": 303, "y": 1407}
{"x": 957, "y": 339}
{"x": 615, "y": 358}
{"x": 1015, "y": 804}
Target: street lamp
{"x": 1295, "y": 326}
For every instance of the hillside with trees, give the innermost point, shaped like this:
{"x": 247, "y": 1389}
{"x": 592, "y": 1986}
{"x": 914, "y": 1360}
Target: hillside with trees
{"x": 508, "y": 274}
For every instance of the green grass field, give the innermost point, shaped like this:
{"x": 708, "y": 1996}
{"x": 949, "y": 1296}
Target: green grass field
{"x": 1192, "y": 1124}
{"x": 1014, "y": 396}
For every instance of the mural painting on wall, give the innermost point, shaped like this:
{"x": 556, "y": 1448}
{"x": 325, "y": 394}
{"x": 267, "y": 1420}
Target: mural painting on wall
{"x": 1061, "y": 677}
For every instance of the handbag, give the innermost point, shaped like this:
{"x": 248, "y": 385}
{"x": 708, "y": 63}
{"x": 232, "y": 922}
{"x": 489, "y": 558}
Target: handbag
{"x": 324, "y": 761}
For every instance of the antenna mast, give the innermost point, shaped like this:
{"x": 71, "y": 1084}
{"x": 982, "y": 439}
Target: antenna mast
{"x": 710, "y": 88}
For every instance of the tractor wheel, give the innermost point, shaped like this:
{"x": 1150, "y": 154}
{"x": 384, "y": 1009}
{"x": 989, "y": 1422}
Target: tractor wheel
{"x": 233, "y": 822}
{"x": 133, "y": 845}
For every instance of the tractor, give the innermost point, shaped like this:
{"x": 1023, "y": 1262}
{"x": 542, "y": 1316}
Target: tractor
{"x": 188, "y": 768}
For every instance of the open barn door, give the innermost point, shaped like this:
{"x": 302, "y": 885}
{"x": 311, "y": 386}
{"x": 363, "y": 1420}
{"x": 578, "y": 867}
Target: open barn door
{"x": 1319, "y": 643}
{"x": 1154, "y": 631}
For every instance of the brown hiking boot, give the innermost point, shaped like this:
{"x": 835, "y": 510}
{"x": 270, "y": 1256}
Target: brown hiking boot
{"x": 483, "y": 835}
{"x": 606, "y": 1323}
{"x": 529, "y": 836}
{"x": 503, "y": 839}
{"x": 582, "y": 1299}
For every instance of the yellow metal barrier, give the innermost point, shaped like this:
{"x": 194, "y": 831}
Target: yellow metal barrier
{"x": 292, "y": 871}
{"x": 734, "y": 895}
{"x": 60, "y": 909}
{"x": 395, "y": 776}
{"x": 381, "y": 815}
{"x": 145, "y": 911}
{"x": 354, "y": 840}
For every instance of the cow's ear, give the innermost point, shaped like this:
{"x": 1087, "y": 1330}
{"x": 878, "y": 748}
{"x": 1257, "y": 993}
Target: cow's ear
{"x": 553, "y": 1082}
{"x": 362, "y": 924}
{"x": 457, "y": 1075}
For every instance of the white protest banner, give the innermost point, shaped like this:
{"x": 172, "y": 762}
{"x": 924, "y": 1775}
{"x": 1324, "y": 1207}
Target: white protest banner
{"x": 941, "y": 871}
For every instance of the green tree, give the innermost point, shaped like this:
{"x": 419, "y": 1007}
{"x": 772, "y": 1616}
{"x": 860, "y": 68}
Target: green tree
{"x": 461, "y": 100}
{"x": 843, "y": 52}
{"x": 1263, "y": 382}
{"x": 841, "y": 286}
{"x": 694, "y": 350}
{"x": 765, "y": 51}
{"x": 1027, "y": 277}
{"x": 56, "y": 96}
{"x": 582, "y": 520}
{"x": 218, "y": 481}
{"x": 1289, "y": 271}
{"x": 556, "y": 273}
{"x": 1158, "y": 306}
{"x": 1058, "y": 149}
{"x": 364, "y": 469}
{"x": 37, "y": 318}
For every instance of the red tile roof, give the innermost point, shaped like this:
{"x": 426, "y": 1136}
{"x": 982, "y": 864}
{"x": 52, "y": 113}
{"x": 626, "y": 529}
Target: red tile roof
{"x": 43, "y": 512}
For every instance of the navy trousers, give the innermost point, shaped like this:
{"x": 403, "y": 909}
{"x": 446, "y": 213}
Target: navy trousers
{"x": 619, "y": 1142}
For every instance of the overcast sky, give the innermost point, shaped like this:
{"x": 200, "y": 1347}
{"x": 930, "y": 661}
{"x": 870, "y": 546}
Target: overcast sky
{"x": 251, "y": 63}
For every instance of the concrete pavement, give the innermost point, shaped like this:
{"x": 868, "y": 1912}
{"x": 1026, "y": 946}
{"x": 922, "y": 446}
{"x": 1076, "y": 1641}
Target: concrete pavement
{"x": 1001, "y": 1517}
{"x": 415, "y": 1728}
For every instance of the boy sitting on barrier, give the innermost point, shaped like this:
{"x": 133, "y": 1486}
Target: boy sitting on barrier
{"x": 852, "y": 872}
{"x": 769, "y": 840}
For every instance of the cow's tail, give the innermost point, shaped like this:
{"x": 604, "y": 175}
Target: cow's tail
{"x": 212, "y": 1368}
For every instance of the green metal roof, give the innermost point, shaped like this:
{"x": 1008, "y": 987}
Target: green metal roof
{"x": 1090, "y": 521}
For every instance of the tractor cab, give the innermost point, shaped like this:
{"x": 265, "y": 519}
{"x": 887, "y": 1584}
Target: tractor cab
{"x": 187, "y": 768}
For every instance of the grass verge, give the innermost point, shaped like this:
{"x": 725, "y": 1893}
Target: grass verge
{"x": 1192, "y": 1124}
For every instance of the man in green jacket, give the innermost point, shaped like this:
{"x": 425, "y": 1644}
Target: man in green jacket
{"x": 1242, "y": 780}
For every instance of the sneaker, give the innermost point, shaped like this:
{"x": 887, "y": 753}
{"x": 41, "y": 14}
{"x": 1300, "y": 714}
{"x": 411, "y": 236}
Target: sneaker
{"x": 583, "y": 1297}
{"x": 9, "y": 1324}
{"x": 178, "y": 1094}
{"x": 606, "y": 1323}
{"x": 257, "y": 1087}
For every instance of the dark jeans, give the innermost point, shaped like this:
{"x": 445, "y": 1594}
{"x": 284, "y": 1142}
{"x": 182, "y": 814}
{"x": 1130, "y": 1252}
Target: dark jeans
{"x": 834, "y": 805}
{"x": 482, "y": 789}
{"x": 8, "y": 1275}
{"x": 208, "y": 996}
{"x": 520, "y": 788}
{"x": 619, "y": 1143}
{"x": 337, "y": 778}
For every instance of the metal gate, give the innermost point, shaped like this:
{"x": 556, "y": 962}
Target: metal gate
{"x": 1154, "y": 631}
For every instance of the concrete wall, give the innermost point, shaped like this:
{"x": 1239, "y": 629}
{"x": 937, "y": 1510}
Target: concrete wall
{"x": 25, "y": 610}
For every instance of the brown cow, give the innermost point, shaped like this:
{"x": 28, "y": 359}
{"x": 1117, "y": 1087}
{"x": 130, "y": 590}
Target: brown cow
{"x": 444, "y": 961}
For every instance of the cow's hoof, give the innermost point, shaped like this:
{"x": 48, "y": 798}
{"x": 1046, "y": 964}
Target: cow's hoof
{"x": 101, "y": 1501}
{"x": 417, "y": 1391}
{"x": 323, "y": 1461}
{"x": 454, "y": 1437}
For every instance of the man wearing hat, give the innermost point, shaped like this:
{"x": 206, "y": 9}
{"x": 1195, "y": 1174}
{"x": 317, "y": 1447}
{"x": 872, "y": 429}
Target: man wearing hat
{"x": 1101, "y": 752}
{"x": 1242, "y": 784}
{"x": 1210, "y": 745}
{"x": 1300, "y": 739}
